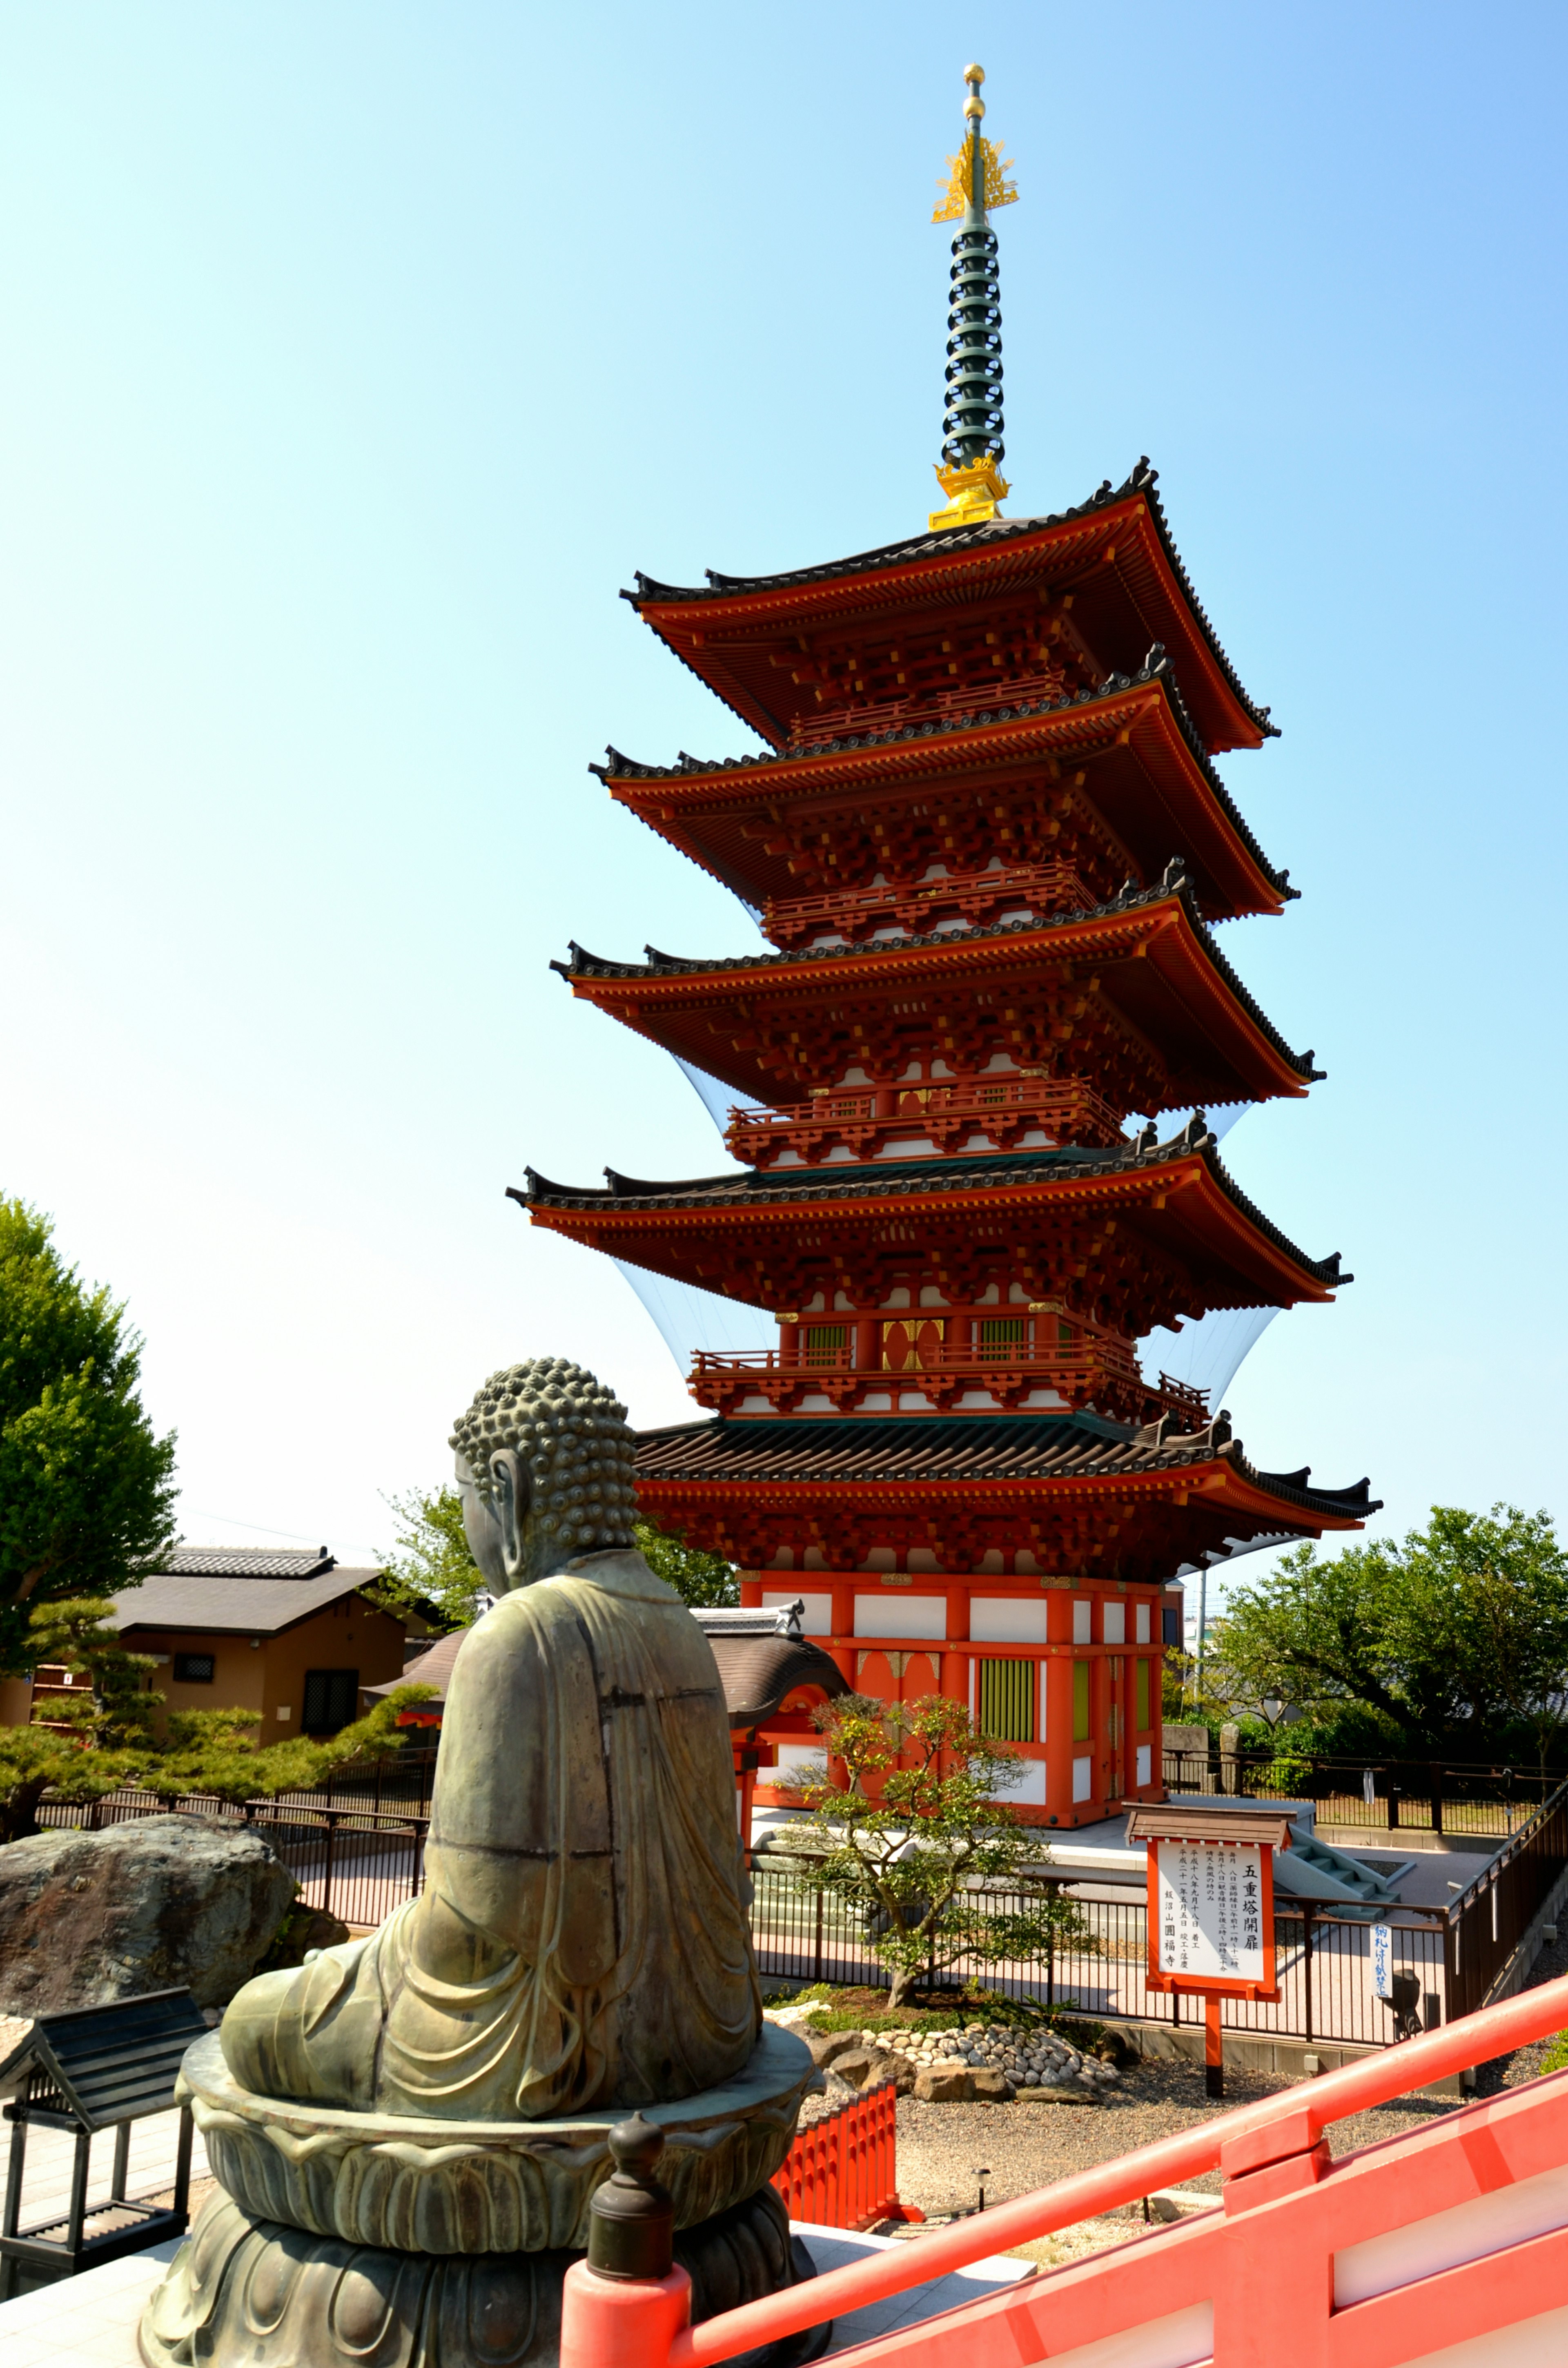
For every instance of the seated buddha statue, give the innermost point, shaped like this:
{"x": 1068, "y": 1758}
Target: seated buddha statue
{"x": 582, "y": 1940}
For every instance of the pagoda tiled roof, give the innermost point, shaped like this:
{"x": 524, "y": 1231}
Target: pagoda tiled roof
{"x": 884, "y": 1179}
{"x": 974, "y": 1449}
{"x": 957, "y": 541}
{"x": 1157, "y": 668}
{"x": 584, "y": 965}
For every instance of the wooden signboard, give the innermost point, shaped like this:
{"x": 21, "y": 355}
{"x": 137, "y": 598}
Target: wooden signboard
{"x": 1210, "y": 1923}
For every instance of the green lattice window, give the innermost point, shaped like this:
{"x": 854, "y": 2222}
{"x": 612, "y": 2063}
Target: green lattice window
{"x": 824, "y": 1344}
{"x": 1081, "y": 1715}
{"x": 1007, "y": 1701}
{"x": 1001, "y": 1337}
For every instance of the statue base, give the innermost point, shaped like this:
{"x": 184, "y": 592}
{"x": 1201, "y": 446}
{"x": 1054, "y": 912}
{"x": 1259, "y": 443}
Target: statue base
{"x": 252, "y": 2289}
{"x": 430, "y": 2186}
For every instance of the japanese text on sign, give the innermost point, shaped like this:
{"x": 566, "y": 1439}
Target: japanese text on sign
{"x": 1210, "y": 1911}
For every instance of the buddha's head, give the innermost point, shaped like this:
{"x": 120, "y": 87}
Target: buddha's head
{"x": 544, "y": 1460}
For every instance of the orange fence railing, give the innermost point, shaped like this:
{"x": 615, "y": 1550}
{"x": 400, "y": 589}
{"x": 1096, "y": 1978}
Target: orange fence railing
{"x": 842, "y": 2172}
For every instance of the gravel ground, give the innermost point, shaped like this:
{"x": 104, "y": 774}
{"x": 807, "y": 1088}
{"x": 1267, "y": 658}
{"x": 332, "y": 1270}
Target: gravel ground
{"x": 1025, "y": 2146}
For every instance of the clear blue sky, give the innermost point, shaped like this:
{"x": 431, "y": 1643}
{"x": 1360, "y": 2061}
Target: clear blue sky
{"x": 356, "y": 354}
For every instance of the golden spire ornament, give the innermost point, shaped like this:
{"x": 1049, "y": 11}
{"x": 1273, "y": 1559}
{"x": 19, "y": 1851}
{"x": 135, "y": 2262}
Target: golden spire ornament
{"x": 970, "y": 470}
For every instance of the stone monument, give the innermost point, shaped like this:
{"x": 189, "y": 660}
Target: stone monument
{"x": 408, "y": 2129}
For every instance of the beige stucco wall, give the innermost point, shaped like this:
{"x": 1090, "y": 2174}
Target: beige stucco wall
{"x": 269, "y": 1677}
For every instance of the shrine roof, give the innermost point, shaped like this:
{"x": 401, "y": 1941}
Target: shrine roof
{"x": 813, "y": 763}
{"x": 752, "y": 1190}
{"x": 969, "y": 1449}
{"x": 1167, "y": 600}
{"x": 939, "y": 947}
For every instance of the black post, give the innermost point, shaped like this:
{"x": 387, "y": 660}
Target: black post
{"x": 121, "y": 2161}
{"x": 1394, "y": 1794}
{"x": 632, "y": 2219}
{"x": 181, "y": 2165}
{"x": 1436, "y": 1797}
{"x": 816, "y": 1961}
{"x": 331, "y": 1817}
{"x": 1307, "y": 1962}
{"x": 78, "y": 2197}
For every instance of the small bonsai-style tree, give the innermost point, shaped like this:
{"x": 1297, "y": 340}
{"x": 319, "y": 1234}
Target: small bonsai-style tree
{"x": 93, "y": 1745}
{"x": 905, "y": 1829}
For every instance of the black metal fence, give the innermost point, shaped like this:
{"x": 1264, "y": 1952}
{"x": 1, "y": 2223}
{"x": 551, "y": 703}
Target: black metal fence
{"x": 358, "y": 1859}
{"x": 1453, "y": 1799}
{"x": 1323, "y": 1962}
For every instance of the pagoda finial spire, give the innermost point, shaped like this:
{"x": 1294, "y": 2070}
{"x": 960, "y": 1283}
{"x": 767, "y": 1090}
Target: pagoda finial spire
{"x": 969, "y": 471}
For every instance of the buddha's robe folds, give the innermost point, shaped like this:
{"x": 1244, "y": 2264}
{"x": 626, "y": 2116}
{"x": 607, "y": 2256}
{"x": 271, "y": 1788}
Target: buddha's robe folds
{"x": 582, "y": 1940}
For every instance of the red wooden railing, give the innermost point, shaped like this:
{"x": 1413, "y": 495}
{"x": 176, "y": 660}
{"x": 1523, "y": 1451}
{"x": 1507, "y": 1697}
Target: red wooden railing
{"x": 1093, "y": 1371}
{"x": 842, "y": 2172}
{"x": 1455, "y": 2234}
{"x": 866, "y": 1118}
{"x": 914, "y": 905}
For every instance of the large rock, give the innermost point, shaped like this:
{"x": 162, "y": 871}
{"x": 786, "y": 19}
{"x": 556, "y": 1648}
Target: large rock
{"x": 158, "y": 1902}
{"x": 990, "y": 2087}
{"x": 873, "y": 2068}
{"x": 827, "y": 2046}
{"x": 945, "y": 2085}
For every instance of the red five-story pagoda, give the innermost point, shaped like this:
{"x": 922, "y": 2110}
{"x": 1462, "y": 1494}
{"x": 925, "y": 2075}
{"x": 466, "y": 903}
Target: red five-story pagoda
{"x": 989, "y": 846}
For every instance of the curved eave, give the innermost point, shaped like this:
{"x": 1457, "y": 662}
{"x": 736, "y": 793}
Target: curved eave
{"x": 1197, "y": 1205}
{"x": 1124, "y": 531}
{"x": 1217, "y": 1479}
{"x": 664, "y": 998}
{"x": 700, "y": 808}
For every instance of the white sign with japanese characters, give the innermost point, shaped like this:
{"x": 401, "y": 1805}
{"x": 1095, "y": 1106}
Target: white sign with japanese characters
{"x": 1210, "y": 1911}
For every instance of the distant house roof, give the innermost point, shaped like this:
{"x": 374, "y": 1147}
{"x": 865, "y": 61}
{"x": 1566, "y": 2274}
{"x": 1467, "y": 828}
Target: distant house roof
{"x": 762, "y": 1656}
{"x": 247, "y": 1562}
{"x": 227, "y": 1605}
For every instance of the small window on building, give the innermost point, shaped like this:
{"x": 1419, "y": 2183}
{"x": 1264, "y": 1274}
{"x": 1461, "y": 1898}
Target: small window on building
{"x": 1141, "y": 1621}
{"x": 332, "y": 1700}
{"x": 1170, "y": 1625}
{"x": 1114, "y": 1623}
{"x": 195, "y": 1668}
{"x": 1007, "y": 1701}
{"x": 1083, "y": 1612}
{"x": 1081, "y": 1727}
{"x": 1140, "y": 1694}
{"x": 824, "y": 1344}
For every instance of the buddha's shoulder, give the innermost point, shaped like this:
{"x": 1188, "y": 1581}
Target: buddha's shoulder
{"x": 620, "y": 1572}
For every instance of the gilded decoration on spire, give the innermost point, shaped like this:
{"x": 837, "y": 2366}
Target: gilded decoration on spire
{"x": 970, "y": 470}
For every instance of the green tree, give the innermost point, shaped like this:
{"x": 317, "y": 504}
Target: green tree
{"x": 430, "y": 1570}
{"x": 114, "y": 1736}
{"x": 905, "y": 1829}
{"x": 704, "y": 1580}
{"x": 1455, "y": 1641}
{"x": 86, "y": 1487}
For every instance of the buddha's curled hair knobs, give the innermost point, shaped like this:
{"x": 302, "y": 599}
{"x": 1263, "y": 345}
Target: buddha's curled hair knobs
{"x": 549, "y": 1411}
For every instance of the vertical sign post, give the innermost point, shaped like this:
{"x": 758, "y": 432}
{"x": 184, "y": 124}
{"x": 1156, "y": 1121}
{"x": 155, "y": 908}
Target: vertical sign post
{"x": 1211, "y": 1921}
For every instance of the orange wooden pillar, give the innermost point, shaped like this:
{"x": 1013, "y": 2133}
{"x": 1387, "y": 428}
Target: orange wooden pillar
{"x": 1060, "y": 1747}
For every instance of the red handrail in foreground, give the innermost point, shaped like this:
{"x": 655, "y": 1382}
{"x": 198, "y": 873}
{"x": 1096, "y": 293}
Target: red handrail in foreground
{"x": 1294, "y": 2120}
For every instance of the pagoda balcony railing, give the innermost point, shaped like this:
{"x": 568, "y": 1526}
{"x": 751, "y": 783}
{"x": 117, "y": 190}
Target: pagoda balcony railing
{"x": 917, "y": 906}
{"x": 865, "y": 1120}
{"x": 975, "y": 699}
{"x": 1093, "y": 1372}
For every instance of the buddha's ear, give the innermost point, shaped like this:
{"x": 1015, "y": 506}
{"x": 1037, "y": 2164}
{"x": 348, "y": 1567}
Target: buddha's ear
{"x": 509, "y": 1480}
